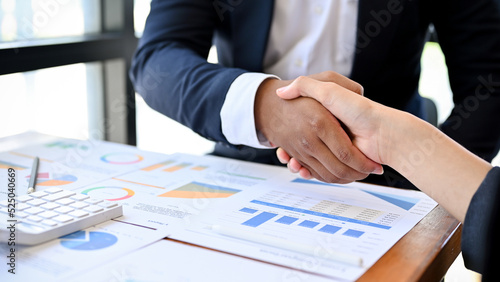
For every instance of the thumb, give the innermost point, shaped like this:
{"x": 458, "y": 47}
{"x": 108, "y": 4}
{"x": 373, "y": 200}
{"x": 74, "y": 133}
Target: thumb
{"x": 340, "y": 101}
{"x": 287, "y": 92}
{"x": 301, "y": 86}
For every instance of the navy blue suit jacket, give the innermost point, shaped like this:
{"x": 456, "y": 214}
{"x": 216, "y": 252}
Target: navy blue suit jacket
{"x": 171, "y": 72}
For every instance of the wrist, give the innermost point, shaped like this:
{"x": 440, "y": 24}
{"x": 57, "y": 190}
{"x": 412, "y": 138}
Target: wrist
{"x": 412, "y": 141}
{"x": 394, "y": 135}
{"x": 266, "y": 102}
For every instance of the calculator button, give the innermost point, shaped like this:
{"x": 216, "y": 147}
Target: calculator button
{"x": 93, "y": 201}
{"x": 80, "y": 197}
{"x": 49, "y": 206}
{"x": 52, "y": 190}
{"x": 78, "y": 213}
{"x": 64, "y": 209}
{"x": 93, "y": 209}
{"x": 57, "y": 196}
{"x": 36, "y": 202}
{"x": 108, "y": 204}
{"x": 21, "y": 214}
{"x": 22, "y": 207}
{"x": 34, "y": 210}
{"x": 65, "y": 201}
{"x": 38, "y": 194}
{"x": 48, "y": 214}
{"x": 63, "y": 218}
{"x": 24, "y": 198}
{"x": 34, "y": 218}
{"x": 78, "y": 205}
{"x": 49, "y": 222}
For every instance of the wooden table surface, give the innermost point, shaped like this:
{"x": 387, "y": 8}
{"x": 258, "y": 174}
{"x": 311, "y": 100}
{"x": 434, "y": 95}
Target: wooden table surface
{"x": 423, "y": 254}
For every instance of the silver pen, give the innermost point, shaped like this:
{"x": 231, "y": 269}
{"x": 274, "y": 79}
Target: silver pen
{"x": 34, "y": 172}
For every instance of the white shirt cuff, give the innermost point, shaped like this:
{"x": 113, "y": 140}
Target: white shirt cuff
{"x": 237, "y": 114}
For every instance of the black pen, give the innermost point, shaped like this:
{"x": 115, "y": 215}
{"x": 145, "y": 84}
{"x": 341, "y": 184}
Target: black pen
{"x": 34, "y": 172}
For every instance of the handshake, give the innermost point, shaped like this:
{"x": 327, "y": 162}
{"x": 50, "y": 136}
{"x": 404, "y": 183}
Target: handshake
{"x": 324, "y": 127}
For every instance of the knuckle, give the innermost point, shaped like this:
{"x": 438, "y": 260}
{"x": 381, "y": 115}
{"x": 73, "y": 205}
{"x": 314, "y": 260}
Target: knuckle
{"x": 326, "y": 94}
{"x": 317, "y": 123}
{"x": 342, "y": 174}
{"x": 359, "y": 89}
{"x": 299, "y": 80}
{"x": 305, "y": 143}
{"x": 332, "y": 179}
{"x": 329, "y": 75}
{"x": 344, "y": 156}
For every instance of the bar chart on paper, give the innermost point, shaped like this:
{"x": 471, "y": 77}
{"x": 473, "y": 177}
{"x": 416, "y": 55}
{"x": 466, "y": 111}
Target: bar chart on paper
{"x": 361, "y": 222}
{"x": 284, "y": 212}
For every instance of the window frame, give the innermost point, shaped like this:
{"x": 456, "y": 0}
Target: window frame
{"x": 116, "y": 42}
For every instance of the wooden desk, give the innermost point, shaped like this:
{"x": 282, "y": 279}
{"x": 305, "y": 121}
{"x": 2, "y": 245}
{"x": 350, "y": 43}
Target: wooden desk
{"x": 424, "y": 254}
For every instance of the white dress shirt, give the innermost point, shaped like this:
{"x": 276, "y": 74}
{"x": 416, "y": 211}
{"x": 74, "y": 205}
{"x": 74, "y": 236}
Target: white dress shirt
{"x": 306, "y": 37}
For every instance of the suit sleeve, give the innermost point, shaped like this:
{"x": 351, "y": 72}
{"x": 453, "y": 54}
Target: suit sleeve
{"x": 170, "y": 70}
{"x": 469, "y": 35}
{"x": 481, "y": 232}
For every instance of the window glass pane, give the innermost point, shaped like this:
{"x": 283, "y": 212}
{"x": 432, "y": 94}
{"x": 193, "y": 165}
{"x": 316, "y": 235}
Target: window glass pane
{"x": 60, "y": 101}
{"x": 434, "y": 83}
{"x": 33, "y": 19}
{"x": 141, "y": 12}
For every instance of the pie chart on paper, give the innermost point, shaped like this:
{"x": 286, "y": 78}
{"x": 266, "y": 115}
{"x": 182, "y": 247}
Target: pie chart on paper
{"x": 88, "y": 240}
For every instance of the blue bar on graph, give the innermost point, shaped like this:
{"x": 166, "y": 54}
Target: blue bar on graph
{"x": 287, "y": 220}
{"x": 259, "y": 219}
{"x": 247, "y": 210}
{"x": 330, "y": 229}
{"x": 308, "y": 224}
{"x": 346, "y": 219}
{"x": 353, "y": 233}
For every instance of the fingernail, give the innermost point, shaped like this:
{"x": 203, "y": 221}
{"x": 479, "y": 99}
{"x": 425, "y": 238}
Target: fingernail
{"x": 281, "y": 89}
{"x": 291, "y": 169}
{"x": 379, "y": 170}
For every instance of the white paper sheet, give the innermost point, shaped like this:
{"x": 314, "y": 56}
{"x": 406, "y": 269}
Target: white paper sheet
{"x": 172, "y": 261}
{"x": 357, "y": 219}
{"x": 83, "y": 250}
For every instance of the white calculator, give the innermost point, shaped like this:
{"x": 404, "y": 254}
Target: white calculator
{"x": 54, "y": 212}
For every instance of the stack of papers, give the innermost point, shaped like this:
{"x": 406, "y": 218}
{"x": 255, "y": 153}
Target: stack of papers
{"x": 288, "y": 225}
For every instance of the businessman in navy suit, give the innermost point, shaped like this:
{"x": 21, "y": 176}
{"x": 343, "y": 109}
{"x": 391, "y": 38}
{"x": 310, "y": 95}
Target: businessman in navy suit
{"x": 263, "y": 45}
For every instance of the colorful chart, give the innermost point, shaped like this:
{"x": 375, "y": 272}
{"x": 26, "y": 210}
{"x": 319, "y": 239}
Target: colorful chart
{"x": 88, "y": 241}
{"x": 66, "y": 145}
{"x": 110, "y": 193}
{"x": 309, "y": 181}
{"x": 7, "y": 165}
{"x": 241, "y": 175}
{"x": 49, "y": 179}
{"x": 157, "y": 166}
{"x": 121, "y": 158}
{"x": 266, "y": 216}
{"x": 403, "y": 202}
{"x": 199, "y": 168}
{"x": 177, "y": 167}
{"x": 197, "y": 190}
